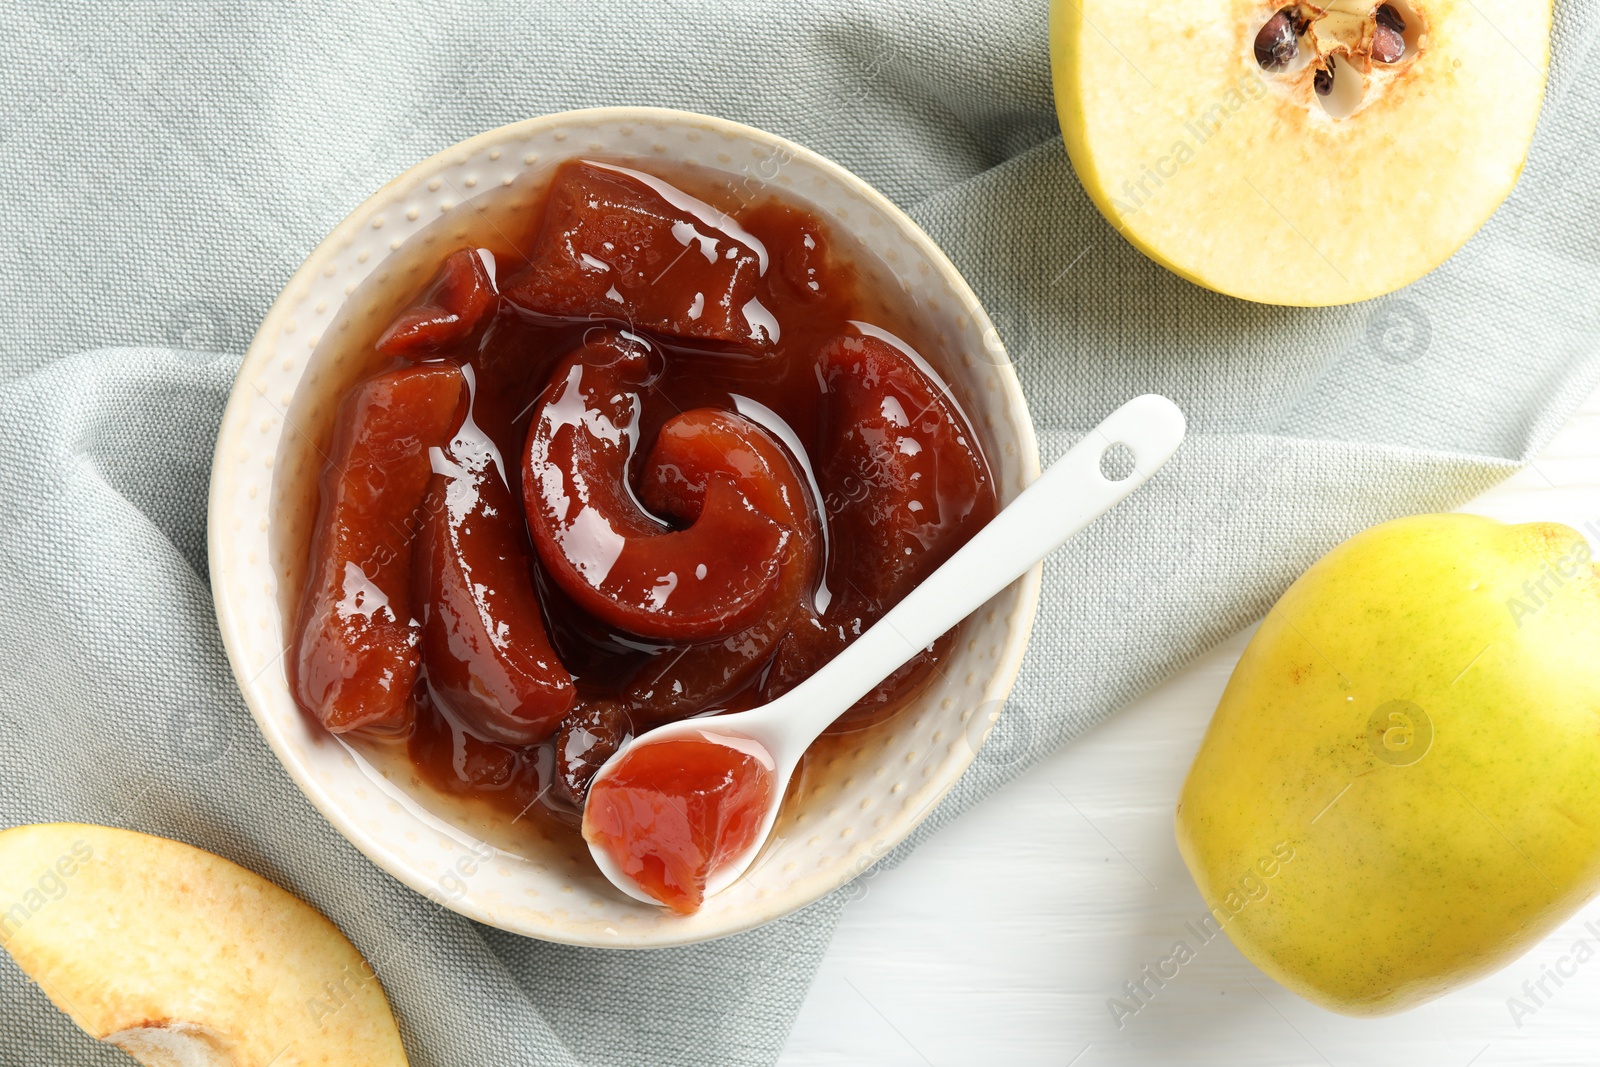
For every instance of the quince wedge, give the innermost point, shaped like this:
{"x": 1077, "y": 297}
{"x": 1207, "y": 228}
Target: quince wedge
{"x": 183, "y": 959}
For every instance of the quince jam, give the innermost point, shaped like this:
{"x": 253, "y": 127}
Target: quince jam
{"x": 666, "y": 460}
{"x": 671, "y": 813}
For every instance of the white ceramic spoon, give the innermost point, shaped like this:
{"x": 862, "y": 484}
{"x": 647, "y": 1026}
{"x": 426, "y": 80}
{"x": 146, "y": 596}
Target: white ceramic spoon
{"x": 1064, "y": 499}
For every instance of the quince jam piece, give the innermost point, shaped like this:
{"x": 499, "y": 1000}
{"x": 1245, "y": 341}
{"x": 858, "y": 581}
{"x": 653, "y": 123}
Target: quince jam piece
{"x": 621, "y": 565}
{"x": 483, "y": 641}
{"x": 691, "y": 450}
{"x": 592, "y": 734}
{"x": 910, "y": 486}
{"x": 905, "y": 486}
{"x": 624, "y": 245}
{"x": 449, "y": 312}
{"x": 355, "y": 659}
{"x": 670, "y": 813}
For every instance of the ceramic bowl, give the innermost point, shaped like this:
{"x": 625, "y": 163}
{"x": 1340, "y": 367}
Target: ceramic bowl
{"x": 860, "y": 793}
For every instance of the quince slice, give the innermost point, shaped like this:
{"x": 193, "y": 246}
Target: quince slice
{"x": 182, "y": 959}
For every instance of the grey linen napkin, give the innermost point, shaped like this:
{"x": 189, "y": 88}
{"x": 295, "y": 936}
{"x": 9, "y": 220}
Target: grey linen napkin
{"x": 164, "y": 167}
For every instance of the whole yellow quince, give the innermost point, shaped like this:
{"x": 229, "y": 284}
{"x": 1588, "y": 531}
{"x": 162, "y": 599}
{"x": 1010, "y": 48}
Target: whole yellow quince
{"x": 1416, "y": 727}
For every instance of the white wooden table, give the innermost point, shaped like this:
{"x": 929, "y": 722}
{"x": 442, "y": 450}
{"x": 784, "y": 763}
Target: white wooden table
{"x": 1002, "y": 939}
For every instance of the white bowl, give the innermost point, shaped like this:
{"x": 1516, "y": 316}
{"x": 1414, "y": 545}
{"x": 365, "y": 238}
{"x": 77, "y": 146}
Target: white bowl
{"x": 862, "y": 793}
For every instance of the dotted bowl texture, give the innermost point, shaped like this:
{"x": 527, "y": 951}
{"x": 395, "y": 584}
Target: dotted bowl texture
{"x": 859, "y": 795}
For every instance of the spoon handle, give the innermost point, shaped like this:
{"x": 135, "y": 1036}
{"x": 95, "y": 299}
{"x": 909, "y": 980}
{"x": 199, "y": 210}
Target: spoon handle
{"x": 1068, "y": 496}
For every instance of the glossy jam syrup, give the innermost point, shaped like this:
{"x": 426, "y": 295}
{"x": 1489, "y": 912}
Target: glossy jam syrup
{"x": 724, "y": 464}
{"x": 671, "y": 813}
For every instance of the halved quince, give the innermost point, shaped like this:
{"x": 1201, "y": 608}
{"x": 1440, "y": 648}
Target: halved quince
{"x": 1301, "y": 153}
{"x": 182, "y": 959}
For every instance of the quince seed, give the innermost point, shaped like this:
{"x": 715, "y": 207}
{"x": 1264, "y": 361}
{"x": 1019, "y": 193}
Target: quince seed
{"x": 1276, "y": 44}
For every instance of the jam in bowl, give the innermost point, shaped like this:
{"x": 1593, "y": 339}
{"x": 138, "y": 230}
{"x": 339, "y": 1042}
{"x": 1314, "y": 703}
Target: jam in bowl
{"x": 464, "y": 494}
{"x": 663, "y": 468}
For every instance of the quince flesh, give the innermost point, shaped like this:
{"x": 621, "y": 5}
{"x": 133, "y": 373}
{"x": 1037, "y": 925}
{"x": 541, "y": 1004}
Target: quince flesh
{"x": 1250, "y": 181}
{"x": 182, "y": 959}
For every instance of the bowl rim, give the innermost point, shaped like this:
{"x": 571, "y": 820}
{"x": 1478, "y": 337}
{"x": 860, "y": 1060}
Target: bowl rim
{"x": 263, "y": 348}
